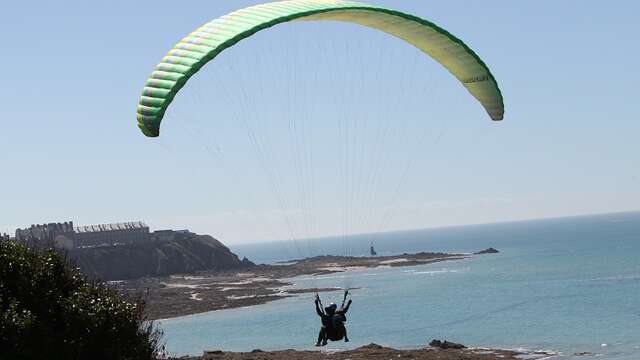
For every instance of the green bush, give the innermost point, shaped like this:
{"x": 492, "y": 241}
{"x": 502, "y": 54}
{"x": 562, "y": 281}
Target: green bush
{"x": 48, "y": 310}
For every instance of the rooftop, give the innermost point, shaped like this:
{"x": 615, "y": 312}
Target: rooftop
{"x": 111, "y": 227}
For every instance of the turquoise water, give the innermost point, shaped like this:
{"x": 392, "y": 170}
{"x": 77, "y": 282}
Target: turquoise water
{"x": 567, "y": 285}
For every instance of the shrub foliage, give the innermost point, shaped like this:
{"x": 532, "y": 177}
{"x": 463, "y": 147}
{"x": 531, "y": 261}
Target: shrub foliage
{"x": 48, "y": 310}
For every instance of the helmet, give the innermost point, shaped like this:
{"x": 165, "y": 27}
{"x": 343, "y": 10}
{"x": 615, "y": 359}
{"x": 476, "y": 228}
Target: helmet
{"x": 331, "y": 308}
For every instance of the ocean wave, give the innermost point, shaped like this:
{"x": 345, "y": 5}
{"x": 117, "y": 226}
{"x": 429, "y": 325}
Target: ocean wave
{"x": 321, "y": 277}
{"x": 539, "y": 354}
{"x": 436, "y": 272}
{"x": 634, "y": 277}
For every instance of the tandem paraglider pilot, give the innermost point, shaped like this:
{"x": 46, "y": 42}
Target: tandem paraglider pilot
{"x": 333, "y": 320}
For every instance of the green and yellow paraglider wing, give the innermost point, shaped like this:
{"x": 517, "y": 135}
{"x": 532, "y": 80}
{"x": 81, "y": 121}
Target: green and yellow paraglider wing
{"x": 206, "y": 42}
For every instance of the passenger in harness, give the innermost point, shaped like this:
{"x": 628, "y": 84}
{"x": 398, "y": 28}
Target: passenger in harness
{"x": 333, "y": 320}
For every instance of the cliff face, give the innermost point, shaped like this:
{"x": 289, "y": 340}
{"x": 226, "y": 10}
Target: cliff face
{"x": 200, "y": 252}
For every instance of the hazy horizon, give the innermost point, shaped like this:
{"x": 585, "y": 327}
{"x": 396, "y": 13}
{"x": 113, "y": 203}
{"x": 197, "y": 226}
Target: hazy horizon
{"x": 258, "y": 241}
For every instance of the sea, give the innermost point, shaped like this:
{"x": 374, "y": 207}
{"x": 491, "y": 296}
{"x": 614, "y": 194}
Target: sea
{"x": 569, "y": 286}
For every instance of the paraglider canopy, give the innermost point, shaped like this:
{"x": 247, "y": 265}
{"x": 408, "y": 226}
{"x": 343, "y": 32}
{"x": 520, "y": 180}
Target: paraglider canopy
{"x": 209, "y": 40}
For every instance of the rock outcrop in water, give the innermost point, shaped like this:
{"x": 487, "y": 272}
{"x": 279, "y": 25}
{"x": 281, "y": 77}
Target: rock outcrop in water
{"x": 154, "y": 259}
{"x": 446, "y": 344}
{"x": 487, "y": 251}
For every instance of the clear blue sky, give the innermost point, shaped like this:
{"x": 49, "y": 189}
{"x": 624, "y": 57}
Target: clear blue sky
{"x": 70, "y": 149}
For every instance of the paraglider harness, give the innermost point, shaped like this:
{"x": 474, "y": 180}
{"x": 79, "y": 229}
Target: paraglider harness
{"x": 334, "y": 328}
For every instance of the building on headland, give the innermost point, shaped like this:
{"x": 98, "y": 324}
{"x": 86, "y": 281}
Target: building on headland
{"x": 111, "y": 234}
{"x": 69, "y": 237}
{"x": 171, "y": 235}
{"x": 46, "y": 234}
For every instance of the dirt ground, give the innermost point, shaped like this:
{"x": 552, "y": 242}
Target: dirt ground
{"x": 369, "y": 352}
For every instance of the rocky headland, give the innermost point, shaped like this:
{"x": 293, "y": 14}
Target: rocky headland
{"x": 183, "y": 255}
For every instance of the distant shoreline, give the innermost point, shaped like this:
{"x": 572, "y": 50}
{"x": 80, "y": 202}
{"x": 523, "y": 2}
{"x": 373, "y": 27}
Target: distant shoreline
{"x": 181, "y": 295}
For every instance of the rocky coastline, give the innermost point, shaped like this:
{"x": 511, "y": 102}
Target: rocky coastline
{"x": 203, "y": 291}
